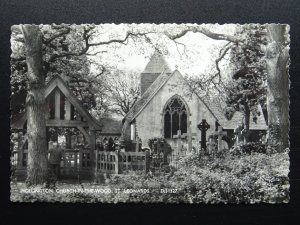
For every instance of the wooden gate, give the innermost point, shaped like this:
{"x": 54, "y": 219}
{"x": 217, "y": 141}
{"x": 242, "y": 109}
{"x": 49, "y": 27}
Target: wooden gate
{"x": 121, "y": 162}
{"x": 75, "y": 164}
{"x": 69, "y": 166}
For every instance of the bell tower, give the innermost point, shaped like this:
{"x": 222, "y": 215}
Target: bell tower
{"x": 153, "y": 69}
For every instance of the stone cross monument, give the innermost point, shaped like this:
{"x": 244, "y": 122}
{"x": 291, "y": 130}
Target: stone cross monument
{"x": 203, "y": 127}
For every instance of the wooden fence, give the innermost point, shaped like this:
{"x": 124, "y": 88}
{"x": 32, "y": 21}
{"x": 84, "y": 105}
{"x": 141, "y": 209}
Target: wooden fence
{"x": 107, "y": 162}
{"x": 134, "y": 161}
{"x": 81, "y": 164}
{"x": 74, "y": 164}
{"x": 121, "y": 162}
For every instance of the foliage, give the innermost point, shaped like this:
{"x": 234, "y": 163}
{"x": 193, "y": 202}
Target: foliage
{"x": 249, "y": 147}
{"x": 123, "y": 90}
{"x": 152, "y": 143}
{"x": 159, "y": 144}
{"x": 247, "y": 89}
{"x": 74, "y": 69}
{"x": 247, "y": 178}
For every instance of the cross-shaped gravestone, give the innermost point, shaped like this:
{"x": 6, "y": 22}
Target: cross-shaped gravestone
{"x": 203, "y": 127}
{"x": 220, "y": 134}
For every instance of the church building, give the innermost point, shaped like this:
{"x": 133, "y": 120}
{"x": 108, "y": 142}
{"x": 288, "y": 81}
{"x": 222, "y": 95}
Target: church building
{"x": 169, "y": 109}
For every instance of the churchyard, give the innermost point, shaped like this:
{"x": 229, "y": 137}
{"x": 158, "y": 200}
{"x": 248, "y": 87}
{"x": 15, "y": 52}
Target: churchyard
{"x": 133, "y": 120}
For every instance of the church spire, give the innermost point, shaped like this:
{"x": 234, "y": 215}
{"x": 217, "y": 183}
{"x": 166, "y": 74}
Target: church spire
{"x": 153, "y": 69}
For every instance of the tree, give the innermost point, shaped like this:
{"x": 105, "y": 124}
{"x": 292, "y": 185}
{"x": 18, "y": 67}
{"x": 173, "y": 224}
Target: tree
{"x": 43, "y": 49}
{"x": 247, "y": 89}
{"x": 65, "y": 46}
{"x": 35, "y": 106}
{"x": 276, "y": 50}
{"x": 277, "y": 53}
{"x": 74, "y": 69}
{"x": 123, "y": 90}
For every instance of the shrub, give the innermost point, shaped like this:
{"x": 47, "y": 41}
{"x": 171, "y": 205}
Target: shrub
{"x": 247, "y": 178}
{"x": 248, "y": 148}
{"x": 158, "y": 144}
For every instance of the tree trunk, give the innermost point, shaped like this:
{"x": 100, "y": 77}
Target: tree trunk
{"x": 277, "y": 52}
{"x": 35, "y": 107}
{"x": 247, "y": 124}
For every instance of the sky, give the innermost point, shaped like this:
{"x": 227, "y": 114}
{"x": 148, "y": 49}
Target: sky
{"x": 197, "y": 60}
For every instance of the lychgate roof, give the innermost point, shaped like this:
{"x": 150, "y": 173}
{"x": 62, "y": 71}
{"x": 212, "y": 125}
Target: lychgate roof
{"x": 58, "y": 82}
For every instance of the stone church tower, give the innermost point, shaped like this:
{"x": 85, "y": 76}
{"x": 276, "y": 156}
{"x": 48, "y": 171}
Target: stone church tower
{"x": 153, "y": 69}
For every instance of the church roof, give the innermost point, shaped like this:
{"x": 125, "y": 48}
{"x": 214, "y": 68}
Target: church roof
{"x": 214, "y": 108}
{"x": 148, "y": 95}
{"x": 237, "y": 118}
{"x": 157, "y": 64}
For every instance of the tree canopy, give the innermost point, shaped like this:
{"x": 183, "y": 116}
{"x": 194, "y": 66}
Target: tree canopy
{"x": 247, "y": 90}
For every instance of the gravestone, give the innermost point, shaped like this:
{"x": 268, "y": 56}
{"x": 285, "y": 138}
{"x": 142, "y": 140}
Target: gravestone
{"x": 203, "y": 127}
{"x": 220, "y": 134}
{"x": 211, "y": 145}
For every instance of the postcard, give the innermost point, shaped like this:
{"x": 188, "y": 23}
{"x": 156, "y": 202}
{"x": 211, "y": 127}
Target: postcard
{"x": 150, "y": 113}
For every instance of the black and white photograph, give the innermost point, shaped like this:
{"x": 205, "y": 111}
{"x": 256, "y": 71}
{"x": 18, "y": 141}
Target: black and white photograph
{"x": 150, "y": 113}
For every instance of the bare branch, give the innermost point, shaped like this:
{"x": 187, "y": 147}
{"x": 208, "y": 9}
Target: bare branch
{"x": 60, "y": 34}
{"x": 128, "y": 35}
{"x": 86, "y": 37}
{"x": 206, "y": 32}
{"x": 96, "y": 53}
{"x": 103, "y": 70}
{"x": 19, "y": 59}
{"x": 227, "y": 47}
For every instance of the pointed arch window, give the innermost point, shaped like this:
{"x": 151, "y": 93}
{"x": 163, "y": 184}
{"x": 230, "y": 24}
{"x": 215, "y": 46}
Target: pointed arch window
{"x": 175, "y": 118}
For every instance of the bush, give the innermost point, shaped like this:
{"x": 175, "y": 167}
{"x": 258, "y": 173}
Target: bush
{"x": 254, "y": 147}
{"x": 248, "y": 148}
{"x": 159, "y": 145}
{"x": 248, "y": 178}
